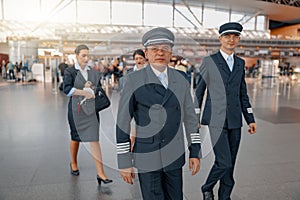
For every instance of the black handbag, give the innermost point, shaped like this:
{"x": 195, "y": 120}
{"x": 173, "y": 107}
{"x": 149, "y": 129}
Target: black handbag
{"x": 101, "y": 99}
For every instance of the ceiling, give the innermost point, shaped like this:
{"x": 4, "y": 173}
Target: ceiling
{"x": 51, "y": 35}
{"x": 275, "y": 11}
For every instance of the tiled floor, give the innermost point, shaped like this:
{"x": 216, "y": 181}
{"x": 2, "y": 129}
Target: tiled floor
{"x": 34, "y": 157}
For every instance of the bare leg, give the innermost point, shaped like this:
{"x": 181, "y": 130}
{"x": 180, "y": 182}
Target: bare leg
{"x": 74, "y": 146}
{"x": 97, "y": 157}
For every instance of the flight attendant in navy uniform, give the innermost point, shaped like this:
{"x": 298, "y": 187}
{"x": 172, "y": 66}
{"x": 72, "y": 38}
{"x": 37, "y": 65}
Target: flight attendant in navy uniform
{"x": 159, "y": 100}
{"x": 223, "y": 75}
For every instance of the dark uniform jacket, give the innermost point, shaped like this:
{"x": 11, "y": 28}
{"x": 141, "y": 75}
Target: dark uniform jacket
{"x": 77, "y": 120}
{"x": 159, "y": 115}
{"x": 227, "y": 95}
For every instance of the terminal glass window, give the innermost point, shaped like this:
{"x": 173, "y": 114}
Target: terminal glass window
{"x": 93, "y": 12}
{"x": 28, "y": 10}
{"x": 214, "y": 18}
{"x": 127, "y": 13}
{"x": 65, "y": 13}
{"x": 1, "y": 14}
{"x": 235, "y": 17}
{"x": 180, "y": 21}
{"x": 52, "y": 11}
{"x": 248, "y": 21}
{"x": 261, "y": 23}
{"x": 55, "y": 11}
{"x": 49, "y": 8}
{"x": 153, "y": 16}
{"x": 250, "y": 24}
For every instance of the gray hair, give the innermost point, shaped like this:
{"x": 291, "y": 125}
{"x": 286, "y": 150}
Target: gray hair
{"x": 80, "y": 47}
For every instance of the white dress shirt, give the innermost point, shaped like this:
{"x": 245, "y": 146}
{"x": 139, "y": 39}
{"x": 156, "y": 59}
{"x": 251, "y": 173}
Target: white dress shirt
{"x": 157, "y": 73}
{"x": 225, "y": 56}
{"x": 84, "y": 73}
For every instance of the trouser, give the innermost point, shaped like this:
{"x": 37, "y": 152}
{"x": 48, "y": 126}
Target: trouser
{"x": 225, "y": 149}
{"x": 61, "y": 86}
{"x": 160, "y": 185}
{"x": 3, "y": 72}
{"x": 11, "y": 74}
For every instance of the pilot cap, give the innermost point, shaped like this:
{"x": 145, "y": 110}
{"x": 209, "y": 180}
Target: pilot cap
{"x": 158, "y": 36}
{"x": 231, "y": 28}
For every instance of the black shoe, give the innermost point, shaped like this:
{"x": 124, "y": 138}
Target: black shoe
{"x": 106, "y": 181}
{"x": 74, "y": 172}
{"x": 208, "y": 195}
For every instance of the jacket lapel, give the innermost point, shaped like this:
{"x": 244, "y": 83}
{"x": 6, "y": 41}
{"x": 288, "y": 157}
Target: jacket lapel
{"x": 222, "y": 65}
{"x": 92, "y": 77}
{"x": 236, "y": 68}
{"x": 79, "y": 80}
{"x": 80, "y": 77}
{"x": 172, "y": 86}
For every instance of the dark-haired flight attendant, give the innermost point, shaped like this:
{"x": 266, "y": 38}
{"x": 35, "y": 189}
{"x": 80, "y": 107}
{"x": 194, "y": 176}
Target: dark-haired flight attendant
{"x": 84, "y": 127}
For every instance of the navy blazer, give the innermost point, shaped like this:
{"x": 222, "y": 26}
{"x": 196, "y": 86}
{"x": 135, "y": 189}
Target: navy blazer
{"x": 159, "y": 115}
{"x": 227, "y": 96}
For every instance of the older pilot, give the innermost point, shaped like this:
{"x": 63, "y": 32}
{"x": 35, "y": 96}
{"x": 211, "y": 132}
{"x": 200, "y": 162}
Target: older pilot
{"x": 158, "y": 99}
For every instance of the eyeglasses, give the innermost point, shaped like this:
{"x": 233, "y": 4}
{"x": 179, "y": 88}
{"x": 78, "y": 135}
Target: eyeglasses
{"x": 231, "y": 37}
{"x": 155, "y": 49}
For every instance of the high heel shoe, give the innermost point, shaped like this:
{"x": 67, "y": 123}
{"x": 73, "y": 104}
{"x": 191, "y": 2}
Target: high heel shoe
{"x": 105, "y": 181}
{"x": 74, "y": 172}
